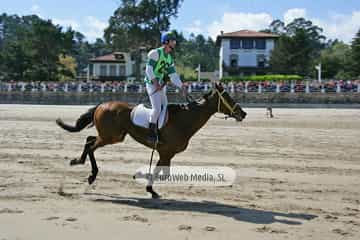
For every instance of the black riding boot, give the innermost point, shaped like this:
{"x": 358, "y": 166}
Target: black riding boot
{"x": 153, "y": 137}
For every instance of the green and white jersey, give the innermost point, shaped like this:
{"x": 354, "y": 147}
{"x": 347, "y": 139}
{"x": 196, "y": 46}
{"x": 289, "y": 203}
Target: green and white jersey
{"x": 159, "y": 65}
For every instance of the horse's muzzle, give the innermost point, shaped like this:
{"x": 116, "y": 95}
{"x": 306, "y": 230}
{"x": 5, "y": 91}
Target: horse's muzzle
{"x": 239, "y": 116}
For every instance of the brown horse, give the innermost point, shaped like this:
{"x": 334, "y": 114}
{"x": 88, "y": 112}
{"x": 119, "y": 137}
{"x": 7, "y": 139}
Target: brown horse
{"x": 113, "y": 123}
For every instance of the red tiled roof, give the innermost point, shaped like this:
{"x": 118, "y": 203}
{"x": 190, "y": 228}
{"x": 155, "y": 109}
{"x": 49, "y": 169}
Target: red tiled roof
{"x": 245, "y": 34}
{"x": 249, "y": 33}
{"x": 109, "y": 58}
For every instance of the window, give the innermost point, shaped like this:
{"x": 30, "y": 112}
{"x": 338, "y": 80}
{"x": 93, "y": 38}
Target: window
{"x": 119, "y": 56}
{"x": 112, "y": 70}
{"x": 234, "y": 43}
{"x": 260, "y": 44}
{"x": 122, "y": 70}
{"x": 103, "y": 70}
{"x": 91, "y": 69}
{"x": 261, "y": 60}
{"x": 234, "y": 60}
{"x": 248, "y": 43}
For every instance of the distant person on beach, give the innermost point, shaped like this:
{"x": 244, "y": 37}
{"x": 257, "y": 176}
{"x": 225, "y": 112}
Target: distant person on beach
{"x": 269, "y": 112}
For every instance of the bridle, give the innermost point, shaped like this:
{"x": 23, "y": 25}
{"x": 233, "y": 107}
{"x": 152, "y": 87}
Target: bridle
{"x": 224, "y": 101}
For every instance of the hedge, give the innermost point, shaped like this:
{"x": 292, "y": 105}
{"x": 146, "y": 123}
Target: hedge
{"x": 259, "y": 78}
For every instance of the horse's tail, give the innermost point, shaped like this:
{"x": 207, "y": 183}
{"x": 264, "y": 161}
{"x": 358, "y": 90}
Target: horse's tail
{"x": 83, "y": 121}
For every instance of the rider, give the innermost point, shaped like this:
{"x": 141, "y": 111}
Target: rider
{"x": 160, "y": 64}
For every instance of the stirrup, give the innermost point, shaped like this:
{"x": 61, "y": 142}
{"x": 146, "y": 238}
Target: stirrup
{"x": 153, "y": 139}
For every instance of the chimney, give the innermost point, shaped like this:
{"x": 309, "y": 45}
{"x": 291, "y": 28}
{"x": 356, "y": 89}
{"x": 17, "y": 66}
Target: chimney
{"x": 221, "y": 32}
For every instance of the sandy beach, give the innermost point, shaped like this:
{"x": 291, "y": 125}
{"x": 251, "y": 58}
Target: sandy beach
{"x": 298, "y": 177}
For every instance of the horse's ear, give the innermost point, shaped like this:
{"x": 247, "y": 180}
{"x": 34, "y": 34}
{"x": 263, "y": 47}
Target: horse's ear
{"x": 219, "y": 86}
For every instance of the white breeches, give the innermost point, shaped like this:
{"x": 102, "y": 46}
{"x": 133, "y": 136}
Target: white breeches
{"x": 158, "y": 101}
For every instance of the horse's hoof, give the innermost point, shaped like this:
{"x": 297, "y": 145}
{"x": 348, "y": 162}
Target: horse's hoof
{"x": 74, "y": 162}
{"x": 154, "y": 195}
{"x": 58, "y": 121}
{"x": 91, "y": 179}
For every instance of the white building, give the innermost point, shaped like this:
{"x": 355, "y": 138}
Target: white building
{"x": 114, "y": 66}
{"x": 245, "y": 52}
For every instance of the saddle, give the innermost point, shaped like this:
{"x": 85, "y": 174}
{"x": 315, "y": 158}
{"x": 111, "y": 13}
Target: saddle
{"x": 140, "y": 114}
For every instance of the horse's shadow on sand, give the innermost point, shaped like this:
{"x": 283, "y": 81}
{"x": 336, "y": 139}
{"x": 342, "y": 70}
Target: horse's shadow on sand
{"x": 238, "y": 213}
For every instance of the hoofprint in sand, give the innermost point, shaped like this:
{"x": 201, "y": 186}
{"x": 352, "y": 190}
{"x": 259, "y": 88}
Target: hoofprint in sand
{"x": 298, "y": 177}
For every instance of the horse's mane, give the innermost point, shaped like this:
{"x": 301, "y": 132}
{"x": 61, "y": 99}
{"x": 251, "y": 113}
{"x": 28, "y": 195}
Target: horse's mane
{"x": 176, "y": 107}
{"x": 173, "y": 108}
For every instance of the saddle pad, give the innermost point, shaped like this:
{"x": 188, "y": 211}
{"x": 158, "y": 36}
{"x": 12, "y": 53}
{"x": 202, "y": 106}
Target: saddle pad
{"x": 140, "y": 116}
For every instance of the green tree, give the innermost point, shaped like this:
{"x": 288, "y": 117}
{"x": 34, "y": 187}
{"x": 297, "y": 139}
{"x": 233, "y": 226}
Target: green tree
{"x": 15, "y": 51}
{"x": 277, "y": 27}
{"x": 49, "y": 42}
{"x": 312, "y": 32}
{"x": 31, "y": 46}
{"x": 281, "y": 59}
{"x": 83, "y": 51}
{"x": 66, "y": 68}
{"x": 100, "y": 47}
{"x": 335, "y": 60}
{"x": 355, "y": 55}
{"x": 297, "y": 48}
{"x": 301, "y": 59}
{"x": 197, "y": 50}
{"x": 138, "y": 24}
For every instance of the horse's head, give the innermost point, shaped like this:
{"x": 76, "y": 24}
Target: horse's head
{"x": 225, "y": 104}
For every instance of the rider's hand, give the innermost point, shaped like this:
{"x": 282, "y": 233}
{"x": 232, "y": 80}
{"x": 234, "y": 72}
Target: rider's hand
{"x": 184, "y": 90}
{"x": 157, "y": 85}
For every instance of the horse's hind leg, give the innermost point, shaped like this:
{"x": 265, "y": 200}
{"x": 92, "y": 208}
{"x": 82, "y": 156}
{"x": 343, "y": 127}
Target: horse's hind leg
{"x": 90, "y": 140}
{"x": 100, "y": 142}
{"x": 94, "y": 168}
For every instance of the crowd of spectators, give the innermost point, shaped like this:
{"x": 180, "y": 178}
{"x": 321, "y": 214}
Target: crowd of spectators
{"x": 245, "y": 87}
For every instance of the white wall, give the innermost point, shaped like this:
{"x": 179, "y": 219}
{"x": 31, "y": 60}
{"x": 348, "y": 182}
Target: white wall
{"x": 246, "y": 57}
{"x": 127, "y": 64}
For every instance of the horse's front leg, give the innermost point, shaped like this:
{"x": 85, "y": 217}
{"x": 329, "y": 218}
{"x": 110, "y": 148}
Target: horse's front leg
{"x": 164, "y": 165}
{"x": 151, "y": 178}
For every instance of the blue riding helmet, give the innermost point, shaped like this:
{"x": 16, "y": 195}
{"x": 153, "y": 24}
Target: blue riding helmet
{"x": 167, "y": 36}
